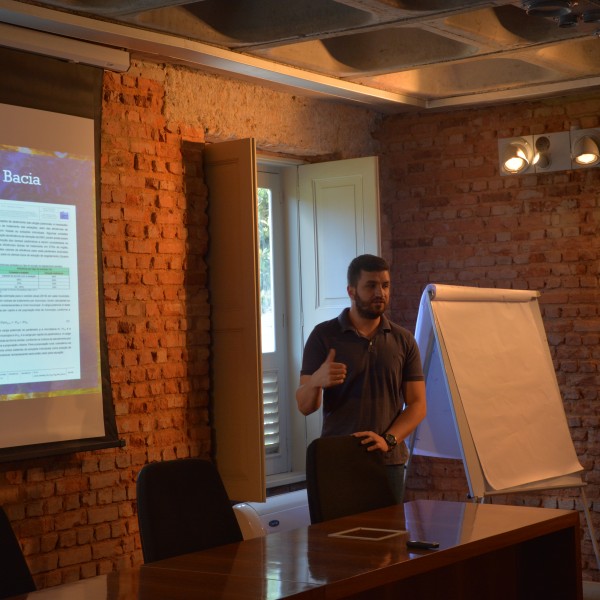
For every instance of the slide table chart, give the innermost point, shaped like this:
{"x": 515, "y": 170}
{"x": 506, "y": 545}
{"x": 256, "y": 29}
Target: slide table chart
{"x": 32, "y": 278}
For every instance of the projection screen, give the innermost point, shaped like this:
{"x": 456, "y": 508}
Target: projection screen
{"x": 53, "y": 395}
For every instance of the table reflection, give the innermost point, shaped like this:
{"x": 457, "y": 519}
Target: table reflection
{"x": 310, "y": 563}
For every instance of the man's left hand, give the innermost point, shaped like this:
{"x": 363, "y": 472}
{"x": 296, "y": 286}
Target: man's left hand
{"x": 372, "y": 440}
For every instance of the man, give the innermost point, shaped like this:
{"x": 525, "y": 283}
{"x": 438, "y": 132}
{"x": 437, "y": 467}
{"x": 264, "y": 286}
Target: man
{"x": 366, "y": 371}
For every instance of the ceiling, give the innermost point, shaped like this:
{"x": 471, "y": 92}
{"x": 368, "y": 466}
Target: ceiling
{"x": 395, "y": 55}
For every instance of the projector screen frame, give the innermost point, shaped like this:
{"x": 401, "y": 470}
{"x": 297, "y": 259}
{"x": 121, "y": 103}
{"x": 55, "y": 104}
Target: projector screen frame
{"x": 48, "y": 84}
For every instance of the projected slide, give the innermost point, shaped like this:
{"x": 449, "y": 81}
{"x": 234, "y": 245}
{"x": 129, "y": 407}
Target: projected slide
{"x": 50, "y": 383}
{"x": 39, "y": 307}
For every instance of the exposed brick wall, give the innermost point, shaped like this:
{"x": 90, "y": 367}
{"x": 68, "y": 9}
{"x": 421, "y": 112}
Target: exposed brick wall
{"x": 450, "y": 217}
{"x": 154, "y": 242}
{"x": 75, "y": 515}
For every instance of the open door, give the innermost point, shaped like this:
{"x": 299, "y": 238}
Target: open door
{"x": 338, "y": 220}
{"x": 236, "y": 379}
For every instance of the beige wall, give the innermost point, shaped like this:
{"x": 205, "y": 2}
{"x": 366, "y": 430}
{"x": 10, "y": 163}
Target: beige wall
{"x": 219, "y": 108}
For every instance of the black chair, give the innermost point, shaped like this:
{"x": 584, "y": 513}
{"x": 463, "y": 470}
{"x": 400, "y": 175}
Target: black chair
{"x": 183, "y": 507}
{"x": 15, "y": 577}
{"x": 343, "y": 478}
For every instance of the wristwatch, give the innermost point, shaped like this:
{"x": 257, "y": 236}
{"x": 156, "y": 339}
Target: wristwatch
{"x": 390, "y": 440}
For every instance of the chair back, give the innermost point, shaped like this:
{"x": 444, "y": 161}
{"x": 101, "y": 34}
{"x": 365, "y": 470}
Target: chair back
{"x": 15, "y": 577}
{"x": 183, "y": 507}
{"x": 343, "y": 478}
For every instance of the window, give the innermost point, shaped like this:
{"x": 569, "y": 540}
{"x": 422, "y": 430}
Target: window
{"x": 273, "y": 335}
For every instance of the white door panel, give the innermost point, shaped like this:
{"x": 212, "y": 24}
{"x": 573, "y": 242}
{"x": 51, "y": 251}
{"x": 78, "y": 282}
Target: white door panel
{"x": 335, "y": 208}
{"x": 338, "y": 220}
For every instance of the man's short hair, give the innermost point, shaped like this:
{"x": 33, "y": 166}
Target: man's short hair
{"x": 365, "y": 262}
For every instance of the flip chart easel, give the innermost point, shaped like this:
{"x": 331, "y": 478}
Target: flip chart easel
{"x": 492, "y": 396}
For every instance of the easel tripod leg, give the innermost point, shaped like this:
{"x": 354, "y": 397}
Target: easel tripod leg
{"x": 590, "y": 525}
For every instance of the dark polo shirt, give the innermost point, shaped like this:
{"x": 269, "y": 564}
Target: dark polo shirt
{"x": 371, "y": 396}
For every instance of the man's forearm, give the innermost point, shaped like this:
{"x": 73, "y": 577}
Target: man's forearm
{"x": 414, "y": 412}
{"x": 407, "y": 422}
{"x": 308, "y": 397}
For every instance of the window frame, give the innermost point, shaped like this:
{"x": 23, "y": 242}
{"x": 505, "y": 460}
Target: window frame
{"x": 275, "y": 364}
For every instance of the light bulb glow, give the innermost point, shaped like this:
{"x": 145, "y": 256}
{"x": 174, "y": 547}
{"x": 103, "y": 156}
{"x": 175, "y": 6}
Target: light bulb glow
{"x": 515, "y": 164}
{"x": 517, "y": 157}
{"x": 585, "y": 151}
{"x": 586, "y": 159}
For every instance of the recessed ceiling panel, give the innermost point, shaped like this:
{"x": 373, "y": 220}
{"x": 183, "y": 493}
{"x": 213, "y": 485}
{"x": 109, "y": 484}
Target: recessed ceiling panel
{"x": 579, "y": 57}
{"x": 238, "y": 23}
{"x": 477, "y": 76}
{"x": 504, "y": 26}
{"x": 380, "y": 51}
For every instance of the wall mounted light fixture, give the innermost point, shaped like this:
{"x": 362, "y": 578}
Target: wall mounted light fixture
{"x": 584, "y": 150}
{"x": 517, "y": 156}
{"x": 561, "y": 151}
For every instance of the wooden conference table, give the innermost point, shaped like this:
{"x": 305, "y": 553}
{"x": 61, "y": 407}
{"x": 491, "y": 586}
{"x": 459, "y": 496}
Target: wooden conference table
{"x": 486, "y": 551}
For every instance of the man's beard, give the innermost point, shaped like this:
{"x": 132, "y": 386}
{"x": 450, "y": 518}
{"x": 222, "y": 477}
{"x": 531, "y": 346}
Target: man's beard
{"x": 366, "y": 310}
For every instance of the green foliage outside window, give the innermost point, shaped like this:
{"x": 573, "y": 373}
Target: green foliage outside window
{"x": 264, "y": 248}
